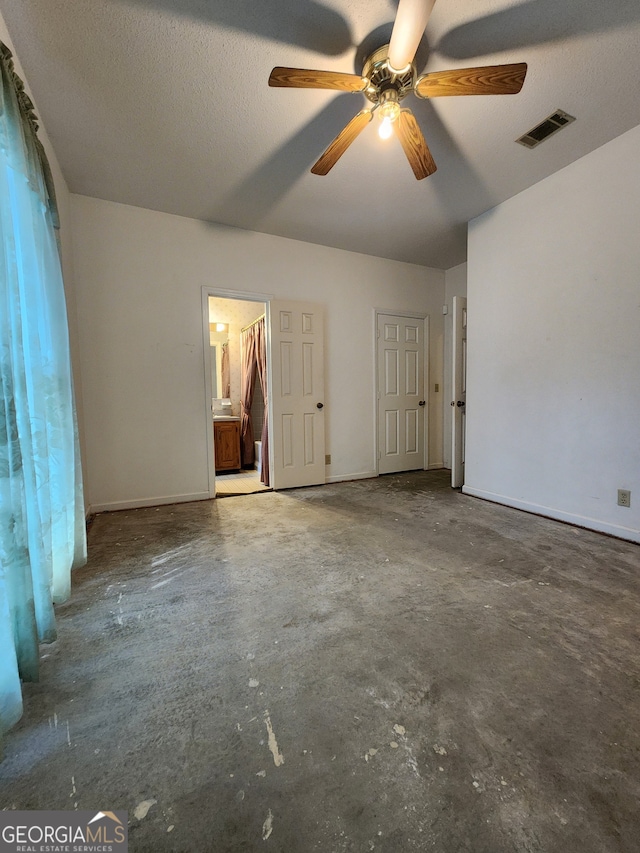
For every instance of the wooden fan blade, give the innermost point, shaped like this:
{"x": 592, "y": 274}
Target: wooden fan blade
{"x": 415, "y": 145}
{"x": 301, "y": 78}
{"x": 408, "y": 28}
{"x": 484, "y": 80}
{"x": 342, "y": 141}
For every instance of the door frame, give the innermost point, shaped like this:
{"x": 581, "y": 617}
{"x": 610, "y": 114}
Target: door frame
{"x": 458, "y": 389}
{"x": 412, "y": 315}
{"x": 243, "y": 296}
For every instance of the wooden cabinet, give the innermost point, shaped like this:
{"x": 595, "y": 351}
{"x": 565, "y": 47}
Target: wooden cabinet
{"x": 226, "y": 442}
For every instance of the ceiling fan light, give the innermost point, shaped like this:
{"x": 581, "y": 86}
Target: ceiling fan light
{"x": 386, "y": 128}
{"x": 389, "y": 110}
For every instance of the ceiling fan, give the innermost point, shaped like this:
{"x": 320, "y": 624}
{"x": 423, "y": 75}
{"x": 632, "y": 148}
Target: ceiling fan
{"x": 388, "y": 76}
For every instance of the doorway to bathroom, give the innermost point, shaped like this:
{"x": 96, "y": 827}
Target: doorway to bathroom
{"x": 237, "y": 382}
{"x": 287, "y": 349}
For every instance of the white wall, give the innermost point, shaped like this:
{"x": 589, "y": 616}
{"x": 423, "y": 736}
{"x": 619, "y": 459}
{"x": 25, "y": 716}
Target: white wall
{"x": 455, "y": 285}
{"x": 553, "y": 402}
{"x": 62, "y": 195}
{"x": 139, "y": 276}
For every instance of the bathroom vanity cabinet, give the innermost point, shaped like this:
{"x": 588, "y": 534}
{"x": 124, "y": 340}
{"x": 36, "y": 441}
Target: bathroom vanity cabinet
{"x": 226, "y": 442}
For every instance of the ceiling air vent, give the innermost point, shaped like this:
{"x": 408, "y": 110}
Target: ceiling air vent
{"x": 545, "y": 129}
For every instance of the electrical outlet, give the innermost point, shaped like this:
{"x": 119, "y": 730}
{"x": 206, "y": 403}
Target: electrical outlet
{"x": 624, "y": 497}
{"x": 437, "y": 387}
{"x": 327, "y": 459}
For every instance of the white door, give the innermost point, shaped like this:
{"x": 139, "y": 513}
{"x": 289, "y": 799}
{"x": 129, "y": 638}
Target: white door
{"x": 297, "y": 394}
{"x": 459, "y": 390}
{"x": 401, "y": 398}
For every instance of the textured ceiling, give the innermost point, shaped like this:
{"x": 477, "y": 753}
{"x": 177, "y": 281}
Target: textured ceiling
{"x": 164, "y": 104}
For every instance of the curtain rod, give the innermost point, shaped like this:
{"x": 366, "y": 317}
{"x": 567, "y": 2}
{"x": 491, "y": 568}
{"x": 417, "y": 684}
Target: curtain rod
{"x": 257, "y": 320}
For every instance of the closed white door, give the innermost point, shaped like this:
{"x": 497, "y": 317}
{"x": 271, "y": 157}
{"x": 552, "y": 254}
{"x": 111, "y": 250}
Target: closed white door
{"x": 401, "y": 398}
{"x": 459, "y": 390}
{"x": 297, "y": 394}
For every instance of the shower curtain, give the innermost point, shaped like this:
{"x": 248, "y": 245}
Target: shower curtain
{"x": 254, "y": 363}
{"x": 247, "y": 380}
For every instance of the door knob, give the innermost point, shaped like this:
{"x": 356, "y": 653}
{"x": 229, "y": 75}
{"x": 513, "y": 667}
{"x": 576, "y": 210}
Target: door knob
{"x": 319, "y": 405}
{"x": 422, "y": 402}
{"x": 460, "y": 404}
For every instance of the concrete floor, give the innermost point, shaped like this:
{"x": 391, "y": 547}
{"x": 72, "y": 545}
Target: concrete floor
{"x": 381, "y": 665}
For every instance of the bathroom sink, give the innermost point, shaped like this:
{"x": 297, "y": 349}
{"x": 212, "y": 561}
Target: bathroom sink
{"x": 226, "y": 418}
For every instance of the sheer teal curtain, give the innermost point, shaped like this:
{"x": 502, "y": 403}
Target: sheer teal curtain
{"x": 42, "y": 529}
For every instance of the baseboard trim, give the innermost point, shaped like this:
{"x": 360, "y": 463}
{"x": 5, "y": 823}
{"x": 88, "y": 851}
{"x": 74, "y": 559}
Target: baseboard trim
{"x": 596, "y": 524}
{"x": 368, "y": 475}
{"x": 144, "y": 502}
{"x": 345, "y": 478}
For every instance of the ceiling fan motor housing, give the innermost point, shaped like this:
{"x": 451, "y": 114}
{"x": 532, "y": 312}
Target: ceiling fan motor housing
{"x": 385, "y": 84}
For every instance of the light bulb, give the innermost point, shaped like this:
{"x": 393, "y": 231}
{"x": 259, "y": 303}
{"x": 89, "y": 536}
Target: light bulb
{"x": 386, "y": 128}
{"x": 390, "y": 109}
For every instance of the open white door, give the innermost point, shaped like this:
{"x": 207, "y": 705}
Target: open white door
{"x": 459, "y": 390}
{"x": 401, "y": 397}
{"x": 297, "y": 394}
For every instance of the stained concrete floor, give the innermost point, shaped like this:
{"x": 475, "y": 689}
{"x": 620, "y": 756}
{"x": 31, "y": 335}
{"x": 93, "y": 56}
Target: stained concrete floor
{"x": 381, "y": 665}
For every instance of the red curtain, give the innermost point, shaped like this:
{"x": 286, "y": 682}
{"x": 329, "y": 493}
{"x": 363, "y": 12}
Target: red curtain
{"x": 261, "y": 365}
{"x": 247, "y": 380}
{"x": 254, "y": 361}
